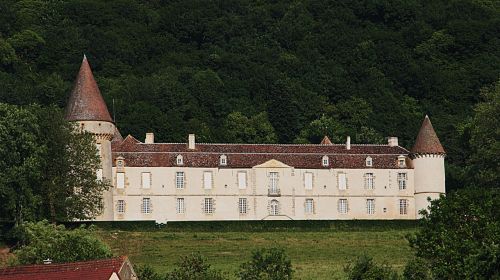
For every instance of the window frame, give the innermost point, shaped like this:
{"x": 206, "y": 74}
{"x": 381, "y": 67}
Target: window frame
{"x": 325, "y": 161}
{"x": 369, "y": 181}
{"x": 242, "y": 205}
{"x": 206, "y": 180}
{"x": 146, "y": 186}
{"x": 208, "y": 205}
{"x": 309, "y": 206}
{"x": 180, "y": 205}
{"x": 402, "y": 178}
{"x": 223, "y": 160}
{"x": 120, "y": 206}
{"x": 403, "y": 207}
{"x": 343, "y": 206}
{"x": 179, "y": 160}
{"x": 342, "y": 184}
{"x": 274, "y": 182}
{"x": 370, "y": 206}
{"x": 146, "y": 207}
{"x": 180, "y": 181}
{"x": 369, "y": 161}
{"x": 244, "y": 180}
{"x": 274, "y": 207}
{"x": 308, "y": 180}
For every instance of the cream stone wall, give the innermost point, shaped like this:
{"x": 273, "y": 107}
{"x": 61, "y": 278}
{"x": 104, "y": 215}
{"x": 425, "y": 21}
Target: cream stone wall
{"x": 429, "y": 179}
{"x": 225, "y": 191}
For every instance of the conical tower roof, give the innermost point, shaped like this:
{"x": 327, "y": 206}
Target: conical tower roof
{"x": 86, "y": 102}
{"x": 427, "y": 140}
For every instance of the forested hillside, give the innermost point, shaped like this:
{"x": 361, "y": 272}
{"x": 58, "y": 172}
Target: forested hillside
{"x": 262, "y": 71}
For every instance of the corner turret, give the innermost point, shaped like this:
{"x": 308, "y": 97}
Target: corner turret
{"x": 428, "y": 161}
{"x": 87, "y": 109}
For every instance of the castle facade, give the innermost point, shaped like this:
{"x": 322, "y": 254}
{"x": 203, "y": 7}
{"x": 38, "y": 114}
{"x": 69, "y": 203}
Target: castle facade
{"x": 202, "y": 181}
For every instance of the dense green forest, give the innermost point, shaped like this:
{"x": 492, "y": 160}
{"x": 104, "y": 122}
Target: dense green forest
{"x": 263, "y": 71}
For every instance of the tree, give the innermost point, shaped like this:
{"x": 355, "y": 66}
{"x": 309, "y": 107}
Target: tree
{"x": 194, "y": 267}
{"x": 483, "y": 164}
{"x": 324, "y": 126}
{"x": 41, "y": 240}
{"x": 366, "y": 269}
{"x": 267, "y": 264}
{"x": 240, "y": 129}
{"x": 20, "y": 162}
{"x": 417, "y": 269}
{"x": 68, "y": 185}
{"x": 460, "y": 235}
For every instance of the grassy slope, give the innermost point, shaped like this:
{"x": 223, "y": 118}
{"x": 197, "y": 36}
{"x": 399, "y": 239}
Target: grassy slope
{"x": 315, "y": 255}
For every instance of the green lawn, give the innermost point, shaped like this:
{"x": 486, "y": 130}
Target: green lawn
{"x": 315, "y": 255}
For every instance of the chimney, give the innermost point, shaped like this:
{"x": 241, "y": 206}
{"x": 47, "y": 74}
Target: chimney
{"x": 348, "y": 143}
{"x": 150, "y": 138}
{"x": 392, "y": 141}
{"x": 191, "y": 142}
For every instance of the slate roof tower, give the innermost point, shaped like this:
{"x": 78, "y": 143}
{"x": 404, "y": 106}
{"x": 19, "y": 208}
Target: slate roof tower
{"x": 86, "y": 108}
{"x": 428, "y": 161}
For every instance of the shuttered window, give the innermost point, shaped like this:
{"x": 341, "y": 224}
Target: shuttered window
{"x": 242, "y": 180}
{"x": 308, "y": 180}
{"x": 146, "y": 180}
{"x": 342, "y": 181}
{"x": 207, "y": 180}
{"x": 120, "y": 180}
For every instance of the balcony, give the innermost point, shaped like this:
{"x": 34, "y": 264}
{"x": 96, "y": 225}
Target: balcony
{"x": 273, "y": 192}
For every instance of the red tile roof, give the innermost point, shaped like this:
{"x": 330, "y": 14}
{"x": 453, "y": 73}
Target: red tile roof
{"x": 427, "y": 141}
{"x": 137, "y": 154}
{"x": 86, "y": 102}
{"x": 95, "y": 270}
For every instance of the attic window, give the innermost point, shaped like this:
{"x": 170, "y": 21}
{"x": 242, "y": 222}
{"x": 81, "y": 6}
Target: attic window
{"x": 402, "y": 161}
{"x": 223, "y": 160}
{"x": 325, "y": 161}
{"x": 369, "y": 161}
{"x": 179, "y": 160}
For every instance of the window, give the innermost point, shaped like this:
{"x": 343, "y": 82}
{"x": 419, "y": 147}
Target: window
{"x": 325, "y": 161}
{"x": 309, "y": 206}
{"x": 208, "y": 206}
{"x": 274, "y": 208}
{"x": 146, "y": 206}
{"x": 179, "y": 180}
{"x": 242, "y": 206}
{"x": 120, "y": 180}
{"x": 308, "y": 180}
{"x": 120, "y": 206}
{"x": 369, "y": 161}
{"x": 402, "y": 181}
{"x": 179, "y": 205}
{"x": 342, "y": 181}
{"x": 342, "y": 206}
{"x": 99, "y": 174}
{"x": 369, "y": 181}
{"x": 179, "y": 160}
{"x": 401, "y": 161}
{"x": 403, "y": 207}
{"x": 242, "y": 180}
{"x": 207, "y": 180}
{"x": 99, "y": 149}
{"x": 273, "y": 183}
{"x": 370, "y": 206}
{"x": 146, "y": 180}
{"x": 223, "y": 160}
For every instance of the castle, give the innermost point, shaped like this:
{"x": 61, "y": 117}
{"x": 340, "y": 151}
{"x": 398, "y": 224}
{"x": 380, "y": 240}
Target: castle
{"x": 201, "y": 181}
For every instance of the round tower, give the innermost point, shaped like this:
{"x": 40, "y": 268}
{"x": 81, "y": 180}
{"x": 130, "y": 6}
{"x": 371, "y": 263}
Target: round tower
{"x": 87, "y": 109}
{"x": 428, "y": 162}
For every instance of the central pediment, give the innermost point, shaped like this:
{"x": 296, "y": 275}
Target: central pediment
{"x": 272, "y": 164}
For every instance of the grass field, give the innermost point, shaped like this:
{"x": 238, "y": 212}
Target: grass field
{"x": 314, "y": 255}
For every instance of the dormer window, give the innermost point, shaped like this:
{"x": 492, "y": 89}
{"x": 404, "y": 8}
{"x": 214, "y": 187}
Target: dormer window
{"x": 401, "y": 161}
{"x": 179, "y": 160}
{"x": 223, "y": 160}
{"x": 325, "y": 161}
{"x": 369, "y": 161}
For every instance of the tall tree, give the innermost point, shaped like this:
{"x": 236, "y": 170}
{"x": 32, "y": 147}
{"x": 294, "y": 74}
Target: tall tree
{"x": 68, "y": 183}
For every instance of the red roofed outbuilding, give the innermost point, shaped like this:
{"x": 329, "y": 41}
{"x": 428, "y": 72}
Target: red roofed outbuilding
{"x": 118, "y": 268}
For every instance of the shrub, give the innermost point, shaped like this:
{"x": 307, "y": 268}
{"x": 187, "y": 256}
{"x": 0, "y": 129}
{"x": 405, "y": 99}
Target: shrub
{"x": 366, "y": 269}
{"x": 194, "y": 267}
{"x": 417, "y": 269}
{"x": 267, "y": 264}
{"x": 147, "y": 273}
{"x": 41, "y": 240}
